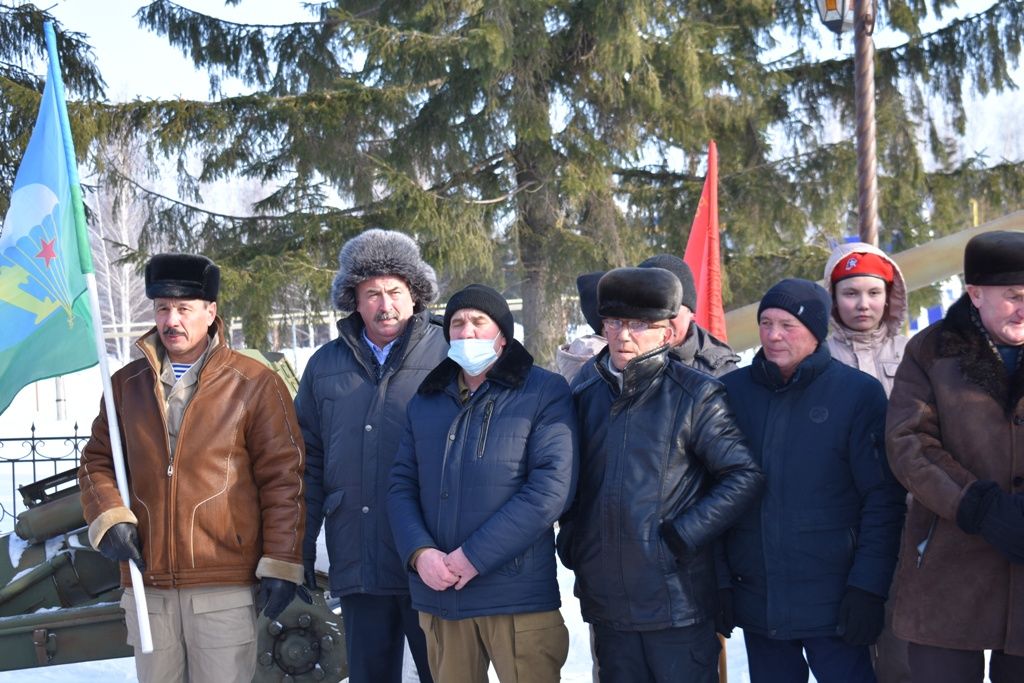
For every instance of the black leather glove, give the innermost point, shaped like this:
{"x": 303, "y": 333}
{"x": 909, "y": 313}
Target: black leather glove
{"x": 995, "y": 514}
{"x": 675, "y": 542}
{"x": 861, "y": 616}
{"x": 121, "y": 543}
{"x": 975, "y": 504}
{"x": 725, "y": 620}
{"x": 310, "y": 576}
{"x": 273, "y": 596}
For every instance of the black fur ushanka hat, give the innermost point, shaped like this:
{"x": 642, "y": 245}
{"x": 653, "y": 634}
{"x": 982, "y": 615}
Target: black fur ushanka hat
{"x": 639, "y": 293}
{"x": 182, "y": 276}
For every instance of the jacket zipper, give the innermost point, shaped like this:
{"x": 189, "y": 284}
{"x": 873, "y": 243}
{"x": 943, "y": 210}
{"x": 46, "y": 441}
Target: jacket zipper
{"x": 488, "y": 409}
{"x": 465, "y": 412}
{"x": 173, "y": 482}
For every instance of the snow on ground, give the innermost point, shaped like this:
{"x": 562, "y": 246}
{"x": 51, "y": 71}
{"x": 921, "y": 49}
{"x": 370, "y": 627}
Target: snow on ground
{"x": 577, "y": 668}
{"x": 37, "y": 404}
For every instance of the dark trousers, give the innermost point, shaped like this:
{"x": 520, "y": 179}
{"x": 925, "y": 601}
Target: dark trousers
{"x": 942, "y": 665}
{"x": 890, "y": 653}
{"x": 784, "y": 661}
{"x": 376, "y": 627}
{"x": 684, "y": 655}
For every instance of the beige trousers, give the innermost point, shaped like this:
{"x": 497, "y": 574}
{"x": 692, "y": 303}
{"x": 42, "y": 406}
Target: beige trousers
{"x": 200, "y": 635}
{"x": 524, "y": 648}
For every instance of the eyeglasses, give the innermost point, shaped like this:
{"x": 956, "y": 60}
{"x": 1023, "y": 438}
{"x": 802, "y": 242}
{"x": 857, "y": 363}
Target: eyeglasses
{"x": 634, "y": 326}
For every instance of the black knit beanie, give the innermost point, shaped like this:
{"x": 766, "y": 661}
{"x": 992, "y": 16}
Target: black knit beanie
{"x": 482, "y": 298}
{"x": 677, "y": 267}
{"x": 806, "y": 301}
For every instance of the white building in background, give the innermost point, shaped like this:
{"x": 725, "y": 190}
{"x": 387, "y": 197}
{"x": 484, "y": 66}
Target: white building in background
{"x": 952, "y": 289}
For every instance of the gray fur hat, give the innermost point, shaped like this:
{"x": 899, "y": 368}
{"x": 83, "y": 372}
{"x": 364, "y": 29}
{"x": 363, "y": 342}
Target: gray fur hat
{"x": 378, "y": 252}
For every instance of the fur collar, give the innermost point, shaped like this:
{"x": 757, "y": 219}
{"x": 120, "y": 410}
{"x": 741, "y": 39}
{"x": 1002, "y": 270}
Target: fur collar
{"x": 961, "y": 337}
{"x": 510, "y": 370}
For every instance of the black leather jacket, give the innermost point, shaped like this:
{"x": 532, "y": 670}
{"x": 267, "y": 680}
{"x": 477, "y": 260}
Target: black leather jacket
{"x": 663, "y": 448}
{"x": 703, "y": 351}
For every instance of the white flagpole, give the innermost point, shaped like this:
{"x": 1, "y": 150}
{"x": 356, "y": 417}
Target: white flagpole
{"x": 117, "y": 455}
{"x": 116, "y": 451}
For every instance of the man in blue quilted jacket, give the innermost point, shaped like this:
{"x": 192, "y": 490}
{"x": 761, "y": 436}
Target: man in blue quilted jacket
{"x": 810, "y": 567}
{"x": 486, "y": 466}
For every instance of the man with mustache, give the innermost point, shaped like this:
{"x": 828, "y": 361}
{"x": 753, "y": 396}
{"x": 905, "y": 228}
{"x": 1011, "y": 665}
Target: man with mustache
{"x": 214, "y": 458}
{"x": 351, "y": 406}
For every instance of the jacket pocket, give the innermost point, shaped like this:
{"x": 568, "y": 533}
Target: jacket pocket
{"x": 333, "y": 502}
{"x": 484, "y": 428}
{"x": 224, "y": 618}
{"x": 159, "y": 620}
{"x": 826, "y": 540}
{"x": 514, "y": 566}
{"x": 326, "y": 425}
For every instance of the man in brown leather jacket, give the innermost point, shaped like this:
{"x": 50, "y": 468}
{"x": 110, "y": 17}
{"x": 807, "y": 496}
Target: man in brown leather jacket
{"x": 214, "y": 457}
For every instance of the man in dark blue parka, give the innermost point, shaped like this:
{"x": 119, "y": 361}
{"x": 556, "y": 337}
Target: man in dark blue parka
{"x": 486, "y": 466}
{"x": 351, "y": 407}
{"x": 812, "y": 564}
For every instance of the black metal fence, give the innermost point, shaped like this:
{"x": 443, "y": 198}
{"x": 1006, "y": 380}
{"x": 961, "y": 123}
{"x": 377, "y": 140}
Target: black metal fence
{"x": 24, "y": 460}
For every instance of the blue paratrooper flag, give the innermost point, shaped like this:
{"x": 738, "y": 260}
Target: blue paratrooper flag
{"x": 45, "y": 323}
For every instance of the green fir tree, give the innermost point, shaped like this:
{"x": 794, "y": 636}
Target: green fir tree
{"x": 524, "y": 141}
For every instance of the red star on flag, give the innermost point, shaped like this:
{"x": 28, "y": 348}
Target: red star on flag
{"x": 46, "y": 252}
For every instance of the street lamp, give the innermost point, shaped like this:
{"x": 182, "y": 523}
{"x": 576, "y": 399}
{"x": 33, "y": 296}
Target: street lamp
{"x": 836, "y": 15}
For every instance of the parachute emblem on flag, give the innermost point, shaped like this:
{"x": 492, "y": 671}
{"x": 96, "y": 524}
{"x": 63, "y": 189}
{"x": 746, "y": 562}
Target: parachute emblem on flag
{"x": 30, "y": 250}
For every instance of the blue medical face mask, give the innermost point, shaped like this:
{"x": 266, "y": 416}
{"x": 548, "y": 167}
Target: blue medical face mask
{"x": 473, "y": 355}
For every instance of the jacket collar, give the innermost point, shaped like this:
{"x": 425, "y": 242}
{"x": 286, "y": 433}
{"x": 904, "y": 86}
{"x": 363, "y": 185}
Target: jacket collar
{"x": 871, "y": 339}
{"x": 350, "y": 332}
{"x": 510, "y": 370}
{"x": 961, "y": 336}
{"x": 687, "y": 351}
{"x": 767, "y": 373}
{"x": 639, "y": 373}
{"x": 700, "y": 343}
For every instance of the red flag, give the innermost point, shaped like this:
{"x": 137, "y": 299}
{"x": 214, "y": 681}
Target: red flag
{"x": 702, "y": 253}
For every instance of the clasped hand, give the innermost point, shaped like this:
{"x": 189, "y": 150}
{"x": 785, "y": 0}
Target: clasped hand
{"x": 441, "y": 572}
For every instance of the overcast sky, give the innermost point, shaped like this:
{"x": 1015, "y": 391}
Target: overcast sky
{"x": 136, "y": 62}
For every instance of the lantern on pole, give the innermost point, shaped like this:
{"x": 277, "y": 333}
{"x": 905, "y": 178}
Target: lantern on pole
{"x": 837, "y": 15}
